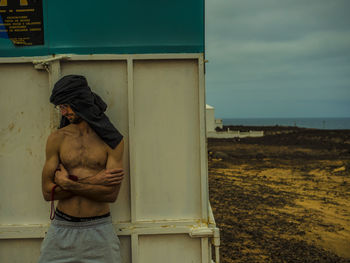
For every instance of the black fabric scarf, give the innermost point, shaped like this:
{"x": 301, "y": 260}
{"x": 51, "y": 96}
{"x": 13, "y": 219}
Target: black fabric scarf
{"x": 74, "y": 91}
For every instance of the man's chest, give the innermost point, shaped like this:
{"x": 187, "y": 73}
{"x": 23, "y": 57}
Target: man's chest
{"x": 83, "y": 152}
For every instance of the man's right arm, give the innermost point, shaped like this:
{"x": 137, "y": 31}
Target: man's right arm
{"x": 51, "y": 163}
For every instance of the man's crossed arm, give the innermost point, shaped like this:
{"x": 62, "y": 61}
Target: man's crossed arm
{"x": 103, "y": 186}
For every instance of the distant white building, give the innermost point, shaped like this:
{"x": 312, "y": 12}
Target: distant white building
{"x": 212, "y": 123}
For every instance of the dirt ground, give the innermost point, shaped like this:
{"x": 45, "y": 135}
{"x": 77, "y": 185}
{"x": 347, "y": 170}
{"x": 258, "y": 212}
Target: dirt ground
{"x": 284, "y": 197}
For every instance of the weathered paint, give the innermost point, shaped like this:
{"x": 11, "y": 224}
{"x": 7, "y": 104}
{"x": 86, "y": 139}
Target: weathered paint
{"x": 157, "y": 102}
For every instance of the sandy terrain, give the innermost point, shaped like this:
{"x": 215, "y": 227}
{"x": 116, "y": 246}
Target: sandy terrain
{"x": 284, "y": 197}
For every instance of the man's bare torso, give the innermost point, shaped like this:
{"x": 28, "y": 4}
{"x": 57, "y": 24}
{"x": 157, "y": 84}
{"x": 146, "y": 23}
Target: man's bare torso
{"x": 83, "y": 155}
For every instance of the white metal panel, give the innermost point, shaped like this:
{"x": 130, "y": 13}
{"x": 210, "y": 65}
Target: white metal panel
{"x": 24, "y": 127}
{"x": 157, "y": 102}
{"x": 125, "y": 249}
{"x": 20, "y": 250}
{"x": 28, "y": 250}
{"x": 109, "y": 80}
{"x": 203, "y": 154}
{"x": 167, "y": 165}
{"x": 169, "y": 248}
{"x": 132, "y": 147}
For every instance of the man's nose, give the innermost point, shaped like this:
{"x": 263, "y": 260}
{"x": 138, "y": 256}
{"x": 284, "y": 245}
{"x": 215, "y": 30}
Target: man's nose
{"x": 64, "y": 111}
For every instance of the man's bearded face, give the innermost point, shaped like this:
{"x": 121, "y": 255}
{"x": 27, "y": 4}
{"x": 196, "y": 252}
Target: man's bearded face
{"x": 67, "y": 112}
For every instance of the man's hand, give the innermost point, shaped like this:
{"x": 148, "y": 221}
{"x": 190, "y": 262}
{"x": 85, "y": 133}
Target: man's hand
{"x": 105, "y": 177}
{"x": 61, "y": 177}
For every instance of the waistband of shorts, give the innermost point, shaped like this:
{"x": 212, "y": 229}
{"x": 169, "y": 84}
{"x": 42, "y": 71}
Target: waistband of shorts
{"x": 65, "y": 217}
{"x": 92, "y": 223}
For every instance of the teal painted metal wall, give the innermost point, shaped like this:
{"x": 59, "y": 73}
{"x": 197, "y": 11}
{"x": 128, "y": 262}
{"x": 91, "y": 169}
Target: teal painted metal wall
{"x": 117, "y": 27}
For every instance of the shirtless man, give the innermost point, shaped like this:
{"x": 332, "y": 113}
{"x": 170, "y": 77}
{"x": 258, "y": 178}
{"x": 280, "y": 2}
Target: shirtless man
{"x": 77, "y": 150}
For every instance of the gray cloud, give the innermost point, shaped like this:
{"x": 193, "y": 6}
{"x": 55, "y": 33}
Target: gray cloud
{"x": 297, "y": 52}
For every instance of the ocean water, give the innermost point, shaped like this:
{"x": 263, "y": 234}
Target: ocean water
{"x": 316, "y": 123}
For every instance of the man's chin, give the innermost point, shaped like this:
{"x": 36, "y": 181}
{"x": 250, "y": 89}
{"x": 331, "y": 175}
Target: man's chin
{"x": 75, "y": 120}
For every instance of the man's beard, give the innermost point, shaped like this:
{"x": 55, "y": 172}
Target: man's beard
{"x": 75, "y": 120}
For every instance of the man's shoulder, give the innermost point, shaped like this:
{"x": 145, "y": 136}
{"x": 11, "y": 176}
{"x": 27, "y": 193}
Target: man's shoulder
{"x": 57, "y": 136}
{"x": 61, "y": 132}
{"x": 118, "y": 150}
{"x": 53, "y": 141}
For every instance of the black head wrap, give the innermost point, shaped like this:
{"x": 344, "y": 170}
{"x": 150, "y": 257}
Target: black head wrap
{"x": 74, "y": 91}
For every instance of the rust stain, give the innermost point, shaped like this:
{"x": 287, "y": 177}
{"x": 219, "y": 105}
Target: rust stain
{"x": 29, "y": 151}
{"x": 19, "y": 130}
{"x": 11, "y": 126}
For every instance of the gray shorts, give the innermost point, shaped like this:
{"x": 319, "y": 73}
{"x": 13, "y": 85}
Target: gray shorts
{"x": 92, "y": 241}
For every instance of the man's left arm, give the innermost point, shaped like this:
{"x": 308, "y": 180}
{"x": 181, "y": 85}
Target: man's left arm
{"x": 115, "y": 161}
{"x": 102, "y": 193}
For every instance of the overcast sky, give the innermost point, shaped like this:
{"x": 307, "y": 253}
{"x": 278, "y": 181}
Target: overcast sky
{"x": 278, "y": 58}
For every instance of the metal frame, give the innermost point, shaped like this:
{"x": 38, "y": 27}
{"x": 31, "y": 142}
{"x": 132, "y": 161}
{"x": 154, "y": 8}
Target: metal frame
{"x": 204, "y": 228}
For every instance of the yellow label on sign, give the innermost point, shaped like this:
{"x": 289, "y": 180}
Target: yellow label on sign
{"x": 21, "y": 2}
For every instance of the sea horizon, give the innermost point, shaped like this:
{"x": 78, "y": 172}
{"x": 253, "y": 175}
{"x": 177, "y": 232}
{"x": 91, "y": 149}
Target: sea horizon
{"x": 327, "y": 123}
